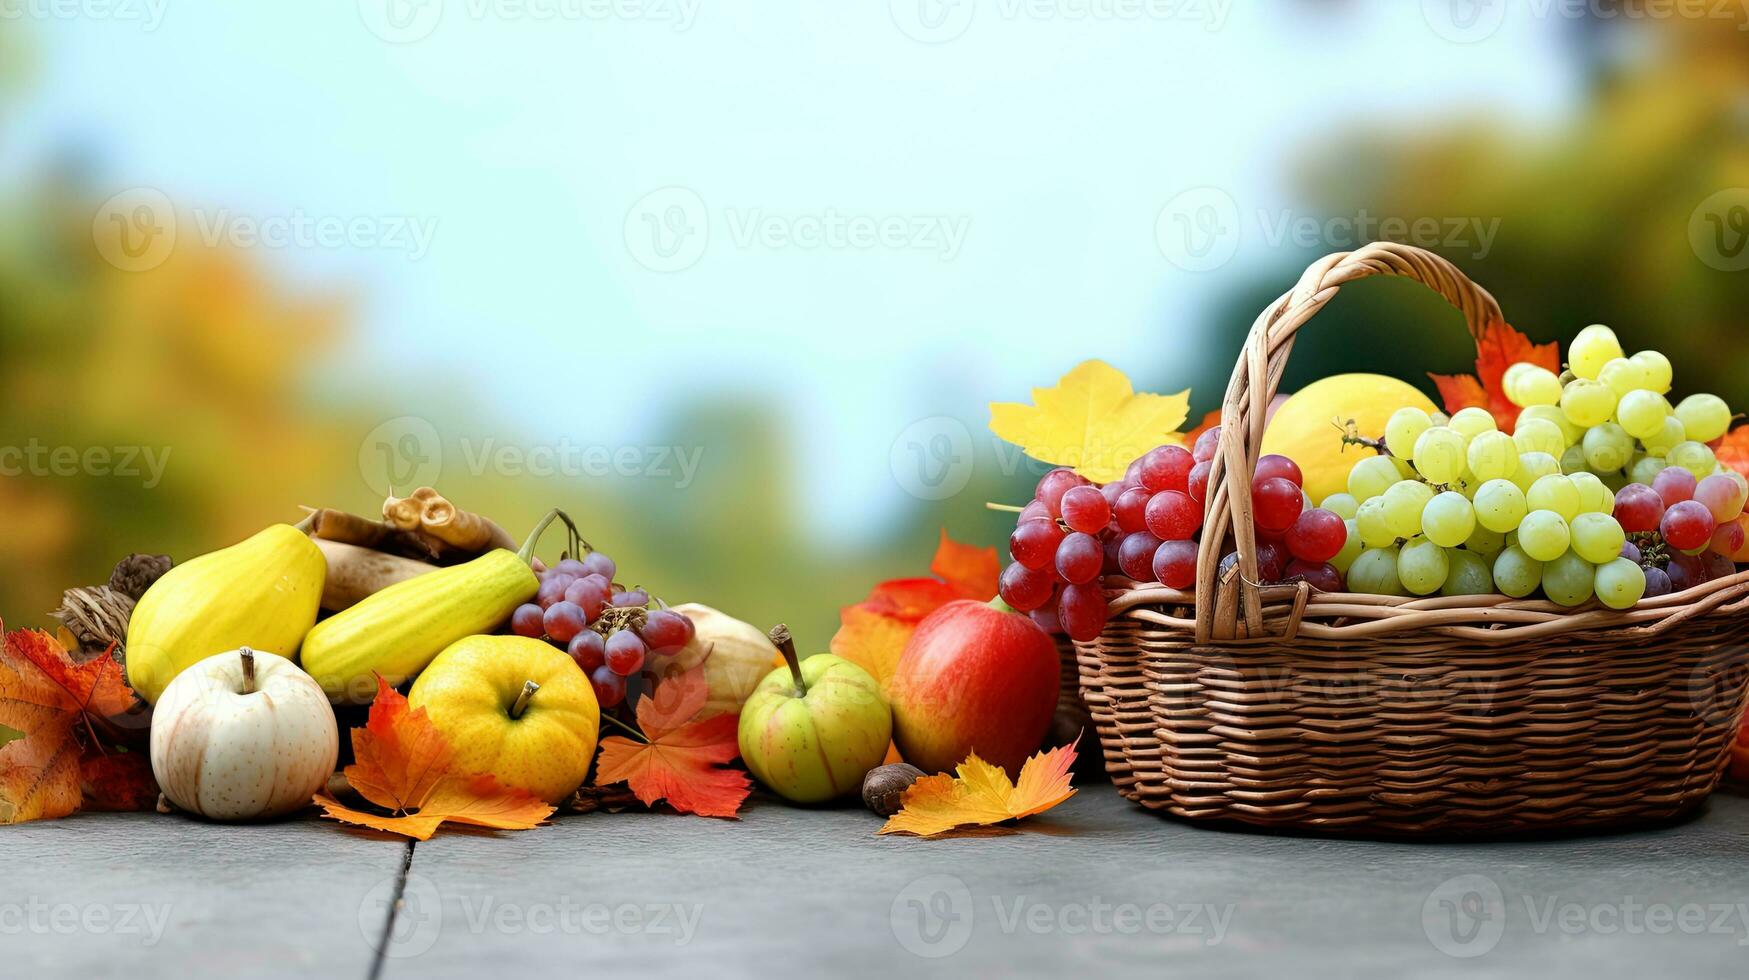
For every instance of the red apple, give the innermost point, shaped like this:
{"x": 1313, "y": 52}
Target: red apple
{"x": 974, "y": 678}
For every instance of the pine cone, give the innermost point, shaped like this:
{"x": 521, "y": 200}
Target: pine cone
{"x": 135, "y": 574}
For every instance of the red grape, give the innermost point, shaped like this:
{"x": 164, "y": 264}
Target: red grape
{"x": 1638, "y": 508}
{"x": 1034, "y": 510}
{"x": 631, "y": 598}
{"x": 1274, "y": 465}
{"x": 599, "y": 564}
{"x": 624, "y": 653}
{"x": 1135, "y": 556}
{"x": 1085, "y": 510}
{"x": 665, "y": 631}
{"x": 1198, "y": 487}
{"x": 1717, "y": 566}
{"x": 1323, "y": 577}
{"x": 1173, "y": 516}
{"x": 1053, "y": 485}
{"x": 1046, "y": 617}
{"x": 1109, "y": 544}
{"x": 1719, "y": 493}
{"x": 1174, "y": 564}
{"x": 1674, "y": 484}
{"x": 1082, "y": 611}
{"x": 571, "y": 567}
{"x": 610, "y": 688}
{"x": 1317, "y": 536}
{"x": 564, "y": 620}
{"x": 1687, "y": 525}
{"x": 1657, "y": 582}
{"x": 588, "y": 649}
{"x": 1025, "y": 588}
{"x": 1080, "y": 558}
{"x": 1728, "y": 538}
{"x": 1034, "y": 543}
{"x": 1131, "y": 509}
{"x": 1272, "y": 561}
{"x": 552, "y": 590}
{"x": 1112, "y": 491}
{"x": 1206, "y": 444}
{"x": 1166, "y": 468}
{"x": 588, "y": 592}
{"x": 528, "y": 621}
{"x": 1276, "y": 502}
{"x": 1132, "y": 475}
{"x": 1685, "y": 572}
{"x": 1631, "y": 552}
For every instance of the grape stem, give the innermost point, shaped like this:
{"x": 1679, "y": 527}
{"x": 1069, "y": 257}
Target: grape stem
{"x": 1006, "y": 508}
{"x": 1351, "y": 437}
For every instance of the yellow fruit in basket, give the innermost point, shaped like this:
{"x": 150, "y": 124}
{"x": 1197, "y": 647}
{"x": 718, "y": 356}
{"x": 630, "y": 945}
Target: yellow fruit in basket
{"x": 1305, "y": 428}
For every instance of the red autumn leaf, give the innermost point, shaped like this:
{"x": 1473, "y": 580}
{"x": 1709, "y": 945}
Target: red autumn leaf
{"x": 118, "y": 782}
{"x": 405, "y": 765}
{"x": 1499, "y": 348}
{"x": 1733, "y": 450}
{"x": 970, "y": 570}
{"x": 680, "y": 763}
{"x": 873, "y": 632}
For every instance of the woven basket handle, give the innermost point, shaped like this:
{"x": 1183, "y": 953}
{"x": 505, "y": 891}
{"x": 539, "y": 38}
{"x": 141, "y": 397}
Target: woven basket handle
{"x": 1254, "y": 384}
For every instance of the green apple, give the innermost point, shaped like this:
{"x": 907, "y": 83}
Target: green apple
{"x": 813, "y": 729}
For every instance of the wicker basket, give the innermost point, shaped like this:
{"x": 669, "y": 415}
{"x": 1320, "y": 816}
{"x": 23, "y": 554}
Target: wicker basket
{"x": 1283, "y": 707}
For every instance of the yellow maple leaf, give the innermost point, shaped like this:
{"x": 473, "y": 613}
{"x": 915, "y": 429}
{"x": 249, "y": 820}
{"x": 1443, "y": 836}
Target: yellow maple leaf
{"x": 1093, "y": 421}
{"x": 981, "y": 794}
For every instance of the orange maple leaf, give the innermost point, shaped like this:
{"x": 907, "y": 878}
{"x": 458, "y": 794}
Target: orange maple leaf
{"x": 69, "y": 718}
{"x": 405, "y": 766}
{"x": 1499, "y": 347}
{"x": 1209, "y": 421}
{"x": 981, "y": 794}
{"x": 680, "y": 761}
{"x": 873, "y": 632}
{"x": 1733, "y": 449}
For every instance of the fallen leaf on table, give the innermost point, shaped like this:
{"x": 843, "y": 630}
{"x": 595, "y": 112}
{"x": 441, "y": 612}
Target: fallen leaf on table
{"x": 681, "y": 763}
{"x": 405, "y": 766}
{"x": 1499, "y": 348}
{"x": 1092, "y": 420}
{"x": 981, "y": 795}
{"x": 65, "y": 717}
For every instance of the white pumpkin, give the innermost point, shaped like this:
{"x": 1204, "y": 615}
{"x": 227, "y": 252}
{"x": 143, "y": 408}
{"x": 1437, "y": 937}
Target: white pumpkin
{"x": 736, "y": 656}
{"x": 243, "y": 735}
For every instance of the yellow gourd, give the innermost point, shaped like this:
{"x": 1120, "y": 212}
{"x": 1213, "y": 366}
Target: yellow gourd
{"x": 261, "y": 593}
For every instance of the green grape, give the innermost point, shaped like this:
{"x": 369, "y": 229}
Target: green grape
{"x": 1646, "y": 469}
{"x": 1535, "y": 386}
{"x": 1594, "y": 497}
{"x": 1588, "y": 403}
{"x": 1469, "y": 575}
{"x": 1533, "y": 467}
{"x": 1642, "y": 413}
{"x": 1613, "y": 482}
{"x": 1350, "y": 548}
{"x": 1492, "y": 456}
{"x": 1670, "y": 433}
{"x": 1510, "y": 376}
{"x": 1608, "y": 447}
{"x": 1472, "y": 422}
{"x": 1620, "y": 583}
{"x": 1439, "y": 454}
{"x": 1423, "y": 567}
{"x": 1594, "y": 347}
{"x": 1403, "y": 428}
{"x": 1517, "y": 574}
{"x": 1343, "y": 505}
{"x": 1375, "y": 573}
{"x": 1372, "y": 476}
{"x": 1705, "y": 417}
{"x": 1556, "y": 493}
{"x": 1538, "y": 436}
{"x": 1573, "y": 460}
{"x": 1597, "y": 538}
{"x": 1500, "y": 505}
{"x": 1375, "y": 529}
{"x": 1624, "y": 375}
{"x": 1657, "y": 369}
{"x": 1553, "y": 414}
{"x": 1448, "y": 519}
{"x": 1543, "y": 535}
{"x": 1694, "y": 457}
{"x": 1485, "y": 542}
{"x": 1569, "y": 579}
{"x": 1404, "y": 503}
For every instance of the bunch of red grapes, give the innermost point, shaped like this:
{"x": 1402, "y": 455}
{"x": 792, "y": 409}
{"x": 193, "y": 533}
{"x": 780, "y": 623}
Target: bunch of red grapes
{"x": 1145, "y": 527}
{"x": 1681, "y": 531}
{"x": 608, "y": 629}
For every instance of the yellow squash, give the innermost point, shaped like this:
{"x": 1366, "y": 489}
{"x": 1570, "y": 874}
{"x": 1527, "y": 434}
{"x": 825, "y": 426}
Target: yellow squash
{"x": 261, "y": 593}
{"x": 397, "y": 632}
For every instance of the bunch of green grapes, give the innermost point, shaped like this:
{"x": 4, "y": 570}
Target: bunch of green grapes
{"x": 1456, "y": 506}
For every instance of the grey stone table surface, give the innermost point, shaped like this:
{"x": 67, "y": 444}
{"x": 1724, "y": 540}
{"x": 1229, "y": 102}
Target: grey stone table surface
{"x": 1096, "y": 887}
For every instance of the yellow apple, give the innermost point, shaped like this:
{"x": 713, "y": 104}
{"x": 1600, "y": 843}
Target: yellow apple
{"x": 513, "y": 707}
